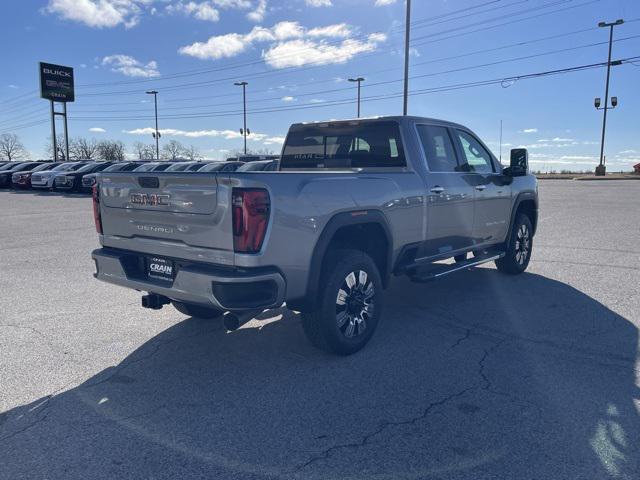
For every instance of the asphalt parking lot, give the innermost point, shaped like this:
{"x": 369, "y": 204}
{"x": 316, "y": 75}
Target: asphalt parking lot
{"x": 477, "y": 376}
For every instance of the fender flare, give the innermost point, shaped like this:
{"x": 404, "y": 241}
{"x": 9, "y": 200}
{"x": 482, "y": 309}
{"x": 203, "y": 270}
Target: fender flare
{"x": 523, "y": 196}
{"x": 338, "y": 221}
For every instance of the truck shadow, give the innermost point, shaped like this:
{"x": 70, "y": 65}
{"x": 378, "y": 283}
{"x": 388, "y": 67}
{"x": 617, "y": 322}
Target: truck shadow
{"x": 478, "y": 376}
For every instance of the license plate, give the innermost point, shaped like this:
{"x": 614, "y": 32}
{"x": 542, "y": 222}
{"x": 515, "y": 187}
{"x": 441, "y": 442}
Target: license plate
{"x": 160, "y": 268}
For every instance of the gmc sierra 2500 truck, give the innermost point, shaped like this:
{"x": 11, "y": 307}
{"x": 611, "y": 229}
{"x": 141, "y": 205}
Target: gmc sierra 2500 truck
{"x": 353, "y": 204}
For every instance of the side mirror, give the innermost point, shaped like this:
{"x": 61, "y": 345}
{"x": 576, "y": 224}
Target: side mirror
{"x": 519, "y": 164}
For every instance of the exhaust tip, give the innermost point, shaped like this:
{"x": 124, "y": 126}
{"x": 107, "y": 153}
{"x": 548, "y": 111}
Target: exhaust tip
{"x": 231, "y": 322}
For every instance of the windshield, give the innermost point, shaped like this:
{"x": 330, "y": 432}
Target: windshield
{"x": 45, "y": 166}
{"x": 116, "y": 167}
{"x": 178, "y": 167}
{"x": 212, "y": 167}
{"x": 9, "y": 166}
{"x": 146, "y": 167}
{"x": 87, "y": 168}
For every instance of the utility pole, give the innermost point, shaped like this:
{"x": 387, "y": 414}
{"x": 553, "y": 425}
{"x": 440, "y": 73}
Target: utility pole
{"x": 156, "y": 134}
{"x": 359, "y": 80}
{"x": 500, "y": 142}
{"x": 601, "y": 169}
{"x": 244, "y": 131}
{"x": 407, "y": 39}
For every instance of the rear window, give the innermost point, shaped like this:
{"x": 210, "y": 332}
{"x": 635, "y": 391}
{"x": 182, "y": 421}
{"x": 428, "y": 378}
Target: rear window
{"x": 363, "y": 145}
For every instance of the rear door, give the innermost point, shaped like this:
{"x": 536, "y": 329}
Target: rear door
{"x": 186, "y": 215}
{"x": 492, "y": 197}
{"x": 449, "y": 195}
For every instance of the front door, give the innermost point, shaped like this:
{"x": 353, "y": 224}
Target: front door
{"x": 492, "y": 195}
{"x": 449, "y": 195}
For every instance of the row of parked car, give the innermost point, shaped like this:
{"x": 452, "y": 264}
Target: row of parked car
{"x": 81, "y": 176}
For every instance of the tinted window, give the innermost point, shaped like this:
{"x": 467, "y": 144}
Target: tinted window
{"x": 476, "y": 157}
{"x": 211, "y": 167}
{"x": 344, "y": 146}
{"x": 75, "y": 166}
{"x": 86, "y": 168}
{"x": 146, "y": 167}
{"x": 44, "y": 167}
{"x": 177, "y": 167}
{"x": 438, "y": 148}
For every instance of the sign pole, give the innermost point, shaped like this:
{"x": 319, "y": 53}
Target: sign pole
{"x": 66, "y": 133}
{"x": 53, "y": 133}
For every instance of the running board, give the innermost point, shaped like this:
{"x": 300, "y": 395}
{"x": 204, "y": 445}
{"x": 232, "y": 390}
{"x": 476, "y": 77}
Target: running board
{"x": 438, "y": 271}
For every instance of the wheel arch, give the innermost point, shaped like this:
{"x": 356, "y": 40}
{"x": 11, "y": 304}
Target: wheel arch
{"x": 527, "y": 203}
{"x": 367, "y": 229}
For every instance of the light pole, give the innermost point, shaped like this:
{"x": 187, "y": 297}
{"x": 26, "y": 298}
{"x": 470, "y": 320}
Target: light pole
{"x": 359, "y": 80}
{"x": 244, "y": 131}
{"x": 601, "y": 170}
{"x": 156, "y": 134}
{"x": 407, "y": 38}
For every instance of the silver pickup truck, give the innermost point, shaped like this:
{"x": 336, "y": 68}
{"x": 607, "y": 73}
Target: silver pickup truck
{"x": 353, "y": 204}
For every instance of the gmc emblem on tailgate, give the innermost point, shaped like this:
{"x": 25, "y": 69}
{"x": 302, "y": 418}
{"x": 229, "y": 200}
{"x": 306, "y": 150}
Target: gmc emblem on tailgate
{"x": 152, "y": 199}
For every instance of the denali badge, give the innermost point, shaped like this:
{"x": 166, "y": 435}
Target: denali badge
{"x": 152, "y": 199}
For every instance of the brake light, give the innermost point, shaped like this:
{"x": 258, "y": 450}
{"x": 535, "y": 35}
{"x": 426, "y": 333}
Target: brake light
{"x": 250, "y": 208}
{"x": 96, "y": 208}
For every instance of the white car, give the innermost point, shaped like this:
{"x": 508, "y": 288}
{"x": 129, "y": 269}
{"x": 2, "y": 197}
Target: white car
{"x": 45, "y": 179}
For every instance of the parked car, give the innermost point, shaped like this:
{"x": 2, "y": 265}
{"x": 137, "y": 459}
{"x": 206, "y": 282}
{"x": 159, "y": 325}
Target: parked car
{"x": 89, "y": 180}
{"x": 185, "y": 167}
{"x": 71, "y": 181}
{"x": 256, "y": 158}
{"x": 6, "y": 174}
{"x": 228, "y": 166}
{"x": 154, "y": 167}
{"x": 44, "y": 180}
{"x": 260, "y": 166}
{"x": 362, "y": 200}
{"x": 22, "y": 180}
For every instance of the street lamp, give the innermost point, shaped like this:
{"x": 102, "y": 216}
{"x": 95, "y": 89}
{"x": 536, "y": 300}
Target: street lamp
{"x": 601, "y": 169}
{"x": 244, "y": 130}
{"x": 359, "y": 80}
{"x": 156, "y": 134}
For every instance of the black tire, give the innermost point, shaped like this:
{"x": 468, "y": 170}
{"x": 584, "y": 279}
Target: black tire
{"x": 197, "y": 311}
{"x": 518, "y": 251}
{"x": 344, "y": 328}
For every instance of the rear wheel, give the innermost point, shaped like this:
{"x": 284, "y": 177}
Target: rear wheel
{"x": 518, "y": 251}
{"x": 197, "y": 311}
{"x": 349, "y": 306}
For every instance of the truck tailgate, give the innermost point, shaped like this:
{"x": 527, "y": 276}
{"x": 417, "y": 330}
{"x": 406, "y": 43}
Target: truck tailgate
{"x": 187, "y": 215}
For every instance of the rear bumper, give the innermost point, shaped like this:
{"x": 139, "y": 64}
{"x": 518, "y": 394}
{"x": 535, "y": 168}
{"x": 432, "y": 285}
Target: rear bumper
{"x": 225, "y": 289}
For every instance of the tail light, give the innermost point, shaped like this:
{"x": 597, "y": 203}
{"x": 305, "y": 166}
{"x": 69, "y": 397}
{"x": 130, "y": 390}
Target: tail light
{"x": 250, "y": 218}
{"x": 96, "y": 208}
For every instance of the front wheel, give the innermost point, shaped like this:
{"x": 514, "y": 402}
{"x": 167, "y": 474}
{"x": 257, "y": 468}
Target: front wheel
{"x": 349, "y": 306}
{"x": 197, "y": 311}
{"x": 518, "y": 251}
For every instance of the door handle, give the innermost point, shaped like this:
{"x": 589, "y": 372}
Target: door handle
{"x": 437, "y": 189}
{"x": 480, "y": 187}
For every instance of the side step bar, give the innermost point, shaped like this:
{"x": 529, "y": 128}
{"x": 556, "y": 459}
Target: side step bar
{"x": 437, "y": 271}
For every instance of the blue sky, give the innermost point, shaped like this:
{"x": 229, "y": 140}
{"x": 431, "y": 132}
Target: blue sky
{"x": 297, "y": 54}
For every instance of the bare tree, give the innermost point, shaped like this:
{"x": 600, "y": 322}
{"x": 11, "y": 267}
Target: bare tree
{"x": 61, "y": 150}
{"x": 83, "y": 149}
{"x": 111, "y": 150}
{"x": 11, "y": 148}
{"x": 192, "y": 153}
{"x": 144, "y": 151}
{"x": 172, "y": 150}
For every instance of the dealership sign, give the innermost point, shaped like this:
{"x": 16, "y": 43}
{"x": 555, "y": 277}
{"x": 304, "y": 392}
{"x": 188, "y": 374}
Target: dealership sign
{"x": 56, "y": 83}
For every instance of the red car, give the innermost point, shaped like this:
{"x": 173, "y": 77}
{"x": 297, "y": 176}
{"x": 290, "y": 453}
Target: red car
{"x": 23, "y": 179}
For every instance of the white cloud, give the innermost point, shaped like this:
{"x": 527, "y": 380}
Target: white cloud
{"x": 319, "y": 3}
{"x": 131, "y": 67}
{"x": 277, "y": 140}
{"x": 11, "y": 85}
{"x": 97, "y": 130}
{"x": 289, "y": 99}
{"x": 172, "y": 132}
{"x": 258, "y": 14}
{"x": 382, "y": 3}
{"x": 98, "y": 13}
{"x": 530, "y": 130}
{"x": 317, "y": 100}
{"x": 628, "y": 152}
{"x": 202, "y": 11}
{"x": 296, "y": 53}
{"x": 564, "y": 140}
{"x": 291, "y": 40}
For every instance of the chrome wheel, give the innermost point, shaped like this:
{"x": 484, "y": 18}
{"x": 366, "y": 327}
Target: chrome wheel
{"x": 355, "y": 304}
{"x": 523, "y": 244}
